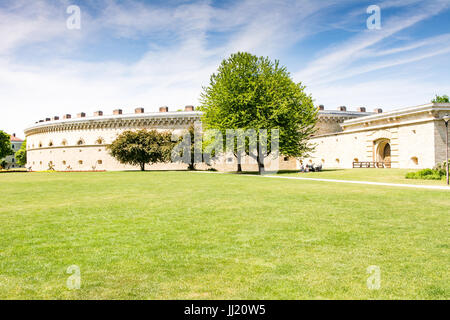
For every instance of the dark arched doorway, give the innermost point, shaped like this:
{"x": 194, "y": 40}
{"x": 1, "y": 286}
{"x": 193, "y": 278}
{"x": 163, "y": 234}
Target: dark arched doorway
{"x": 387, "y": 153}
{"x": 383, "y": 153}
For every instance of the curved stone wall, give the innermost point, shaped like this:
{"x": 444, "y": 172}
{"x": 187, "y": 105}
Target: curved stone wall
{"x": 80, "y": 144}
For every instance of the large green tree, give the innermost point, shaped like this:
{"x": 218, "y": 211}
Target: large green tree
{"x": 142, "y": 147}
{"x": 21, "y": 154}
{"x": 250, "y": 92}
{"x": 5, "y": 145}
{"x": 441, "y": 99}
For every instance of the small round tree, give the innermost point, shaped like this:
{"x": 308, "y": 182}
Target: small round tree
{"x": 142, "y": 147}
{"x": 250, "y": 92}
{"x": 5, "y": 145}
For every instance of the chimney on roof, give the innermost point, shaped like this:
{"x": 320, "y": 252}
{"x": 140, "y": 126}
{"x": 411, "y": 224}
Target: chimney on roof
{"x": 139, "y": 110}
{"x": 378, "y": 110}
{"x": 47, "y": 119}
{"x": 361, "y": 109}
{"x": 189, "y": 108}
{"x": 67, "y": 116}
{"x": 321, "y": 107}
{"x": 117, "y": 112}
{"x": 98, "y": 113}
{"x": 41, "y": 120}
{"x": 342, "y": 108}
{"x": 164, "y": 109}
{"x": 55, "y": 118}
{"x": 81, "y": 115}
{"x": 14, "y": 135}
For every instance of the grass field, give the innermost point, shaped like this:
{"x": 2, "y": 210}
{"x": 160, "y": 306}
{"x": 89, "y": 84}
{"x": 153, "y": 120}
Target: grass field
{"x": 374, "y": 175}
{"x": 188, "y": 235}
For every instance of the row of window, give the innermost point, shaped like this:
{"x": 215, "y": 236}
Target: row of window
{"x": 80, "y": 142}
{"x": 64, "y": 162}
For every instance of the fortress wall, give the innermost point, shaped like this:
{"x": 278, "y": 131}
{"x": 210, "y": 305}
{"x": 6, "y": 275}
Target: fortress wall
{"x": 339, "y": 150}
{"x": 416, "y": 141}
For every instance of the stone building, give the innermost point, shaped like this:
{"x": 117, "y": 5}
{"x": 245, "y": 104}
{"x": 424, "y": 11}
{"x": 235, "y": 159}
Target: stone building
{"x": 406, "y": 138}
{"x": 16, "y": 143}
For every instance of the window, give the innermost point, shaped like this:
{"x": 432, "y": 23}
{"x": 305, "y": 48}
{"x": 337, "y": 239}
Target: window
{"x": 80, "y": 142}
{"x": 286, "y": 159}
{"x": 99, "y": 161}
{"x": 99, "y": 140}
{"x": 64, "y": 142}
{"x": 80, "y": 162}
{"x": 337, "y": 161}
{"x": 415, "y": 160}
{"x": 356, "y": 160}
{"x": 40, "y": 144}
{"x": 12, "y": 160}
{"x": 12, "y": 146}
{"x": 64, "y": 162}
{"x": 50, "y": 144}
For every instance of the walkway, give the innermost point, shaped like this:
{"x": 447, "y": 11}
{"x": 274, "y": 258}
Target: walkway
{"x": 347, "y": 181}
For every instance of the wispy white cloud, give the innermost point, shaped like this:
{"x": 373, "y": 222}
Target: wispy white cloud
{"x": 337, "y": 59}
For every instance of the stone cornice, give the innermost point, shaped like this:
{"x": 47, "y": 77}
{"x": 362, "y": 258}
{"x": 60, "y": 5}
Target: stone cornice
{"x": 431, "y": 109}
{"x": 373, "y": 128}
{"x": 160, "y": 119}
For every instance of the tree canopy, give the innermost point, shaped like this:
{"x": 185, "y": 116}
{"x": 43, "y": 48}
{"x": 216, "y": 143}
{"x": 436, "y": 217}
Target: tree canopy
{"x": 250, "y": 92}
{"x": 21, "y": 154}
{"x": 5, "y": 145}
{"x": 142, "y": 147}
{"x": 441, "y": 99}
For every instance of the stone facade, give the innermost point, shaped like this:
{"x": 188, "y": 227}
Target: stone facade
{"x": 415, "y": 138}
{"x": 406, "y": 138}
{"x": 11, "y": 162}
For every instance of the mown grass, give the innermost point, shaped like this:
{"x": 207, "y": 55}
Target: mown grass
{"x": 374, "y": 175}
{"x": 183, "y": 235}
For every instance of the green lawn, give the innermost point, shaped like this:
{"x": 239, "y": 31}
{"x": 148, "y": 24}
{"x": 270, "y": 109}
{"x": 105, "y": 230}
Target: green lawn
{"x": 188, "y": 235}
{"x": 375, "y": 175}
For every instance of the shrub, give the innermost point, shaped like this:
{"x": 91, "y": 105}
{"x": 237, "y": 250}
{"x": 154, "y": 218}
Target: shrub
{"x": 427, "y": 174}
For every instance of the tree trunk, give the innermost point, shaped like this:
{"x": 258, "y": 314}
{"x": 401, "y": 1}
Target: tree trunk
{"x": 260, "y": 161}
{"x": 239, "y": 168}
{"x": 191, "y": 166}
{"x": 142, "y": 166}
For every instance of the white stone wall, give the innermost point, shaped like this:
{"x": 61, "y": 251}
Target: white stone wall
{"x": 416, "y": 141}
{"x": 439, "y": 140}
{"x": 339, "y": 150}
{"x": 416, "y": 136}
{"x": 88, "y": 156}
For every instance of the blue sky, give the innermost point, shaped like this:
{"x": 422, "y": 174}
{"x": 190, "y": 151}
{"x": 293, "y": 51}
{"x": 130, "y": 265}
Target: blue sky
{"x": 133, "y": 53}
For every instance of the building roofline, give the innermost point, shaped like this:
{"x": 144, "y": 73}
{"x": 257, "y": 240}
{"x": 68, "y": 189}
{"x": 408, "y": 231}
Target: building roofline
{"x": 105, "y": 118}
{"x": 399, "y": 112}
